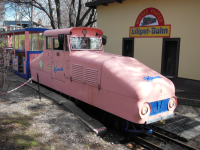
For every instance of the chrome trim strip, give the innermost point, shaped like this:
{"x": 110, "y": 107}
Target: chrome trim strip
{"x": 159, "y": 118}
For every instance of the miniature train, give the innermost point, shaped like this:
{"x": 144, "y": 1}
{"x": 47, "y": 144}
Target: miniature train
{"x": 74, "y": 63}
{"x": 148, "y": 20}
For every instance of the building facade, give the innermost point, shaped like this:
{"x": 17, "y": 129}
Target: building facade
{"x": 25, "y": 24}
{"x": 163, "y": 34}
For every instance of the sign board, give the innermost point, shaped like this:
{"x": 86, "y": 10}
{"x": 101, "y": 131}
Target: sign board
{"x": 150, "y": 23}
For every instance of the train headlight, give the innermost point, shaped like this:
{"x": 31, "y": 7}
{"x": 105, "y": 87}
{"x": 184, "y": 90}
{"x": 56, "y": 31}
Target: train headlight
{"x": 172, "y": 103}
{"x": 145, "y": 110}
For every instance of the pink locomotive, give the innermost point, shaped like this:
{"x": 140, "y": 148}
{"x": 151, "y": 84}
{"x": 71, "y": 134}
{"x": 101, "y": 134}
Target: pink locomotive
{"x": 74, "y": 63}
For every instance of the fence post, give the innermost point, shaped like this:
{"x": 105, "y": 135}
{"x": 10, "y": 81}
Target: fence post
{"x": 38, "y": 86}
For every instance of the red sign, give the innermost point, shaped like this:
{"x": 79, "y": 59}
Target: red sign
{"x": 150, "y": 23}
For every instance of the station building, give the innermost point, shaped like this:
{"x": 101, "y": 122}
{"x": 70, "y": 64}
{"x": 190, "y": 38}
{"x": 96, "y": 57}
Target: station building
{"x": 25, "y": 24}
{"x": 162, "y": 34}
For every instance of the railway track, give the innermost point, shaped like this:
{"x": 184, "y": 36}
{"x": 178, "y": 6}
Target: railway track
{"x": 158, "y": 141}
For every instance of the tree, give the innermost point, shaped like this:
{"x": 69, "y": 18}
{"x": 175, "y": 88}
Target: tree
{"x": 2, "y": 9}
{"x": 77, "y": 14}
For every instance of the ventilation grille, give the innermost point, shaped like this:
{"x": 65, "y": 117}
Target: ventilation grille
{"x": 91, "y": 77}
{"x": 77, "y": 73}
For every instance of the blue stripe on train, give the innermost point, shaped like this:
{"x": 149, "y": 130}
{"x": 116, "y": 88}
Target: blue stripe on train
{"x": 159, "y": 107}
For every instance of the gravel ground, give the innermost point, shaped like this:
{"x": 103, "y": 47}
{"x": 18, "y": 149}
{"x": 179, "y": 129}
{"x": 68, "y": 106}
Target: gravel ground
{"x": 27, "y": 123}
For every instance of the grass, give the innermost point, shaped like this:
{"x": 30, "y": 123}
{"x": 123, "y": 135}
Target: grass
{"x": 23, "y": 143}
{"x": 23, "y": 137}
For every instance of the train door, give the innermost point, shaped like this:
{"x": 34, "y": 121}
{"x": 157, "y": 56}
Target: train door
{"x": 170, "y": 57}
{"x": 58, "y": 58}
{"x": 48, "y": 55}
{"x": 128, "y": 47}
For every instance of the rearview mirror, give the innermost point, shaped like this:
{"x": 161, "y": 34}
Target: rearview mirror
{"x": 61, "y": 38}
{"x": 104, "y": 40}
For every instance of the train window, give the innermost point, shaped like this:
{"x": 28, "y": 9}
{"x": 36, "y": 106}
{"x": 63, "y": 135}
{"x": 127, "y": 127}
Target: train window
{"x": 57, "y": 45}
{"x": 48, "y": 42}
{"x": 85, "y": 43}
{"x": 66, "y": 44}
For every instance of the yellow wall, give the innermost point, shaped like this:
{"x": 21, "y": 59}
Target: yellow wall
{"x": 183, "y": 15}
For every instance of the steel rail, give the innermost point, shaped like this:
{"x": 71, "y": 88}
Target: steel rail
{"x": 172, "y": 134}
{"x": 144, "y": 143}
{"x": 172, "y": 140}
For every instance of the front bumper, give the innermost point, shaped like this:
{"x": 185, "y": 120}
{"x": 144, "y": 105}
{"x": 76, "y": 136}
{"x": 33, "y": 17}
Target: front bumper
{"x": 159, "y": 118}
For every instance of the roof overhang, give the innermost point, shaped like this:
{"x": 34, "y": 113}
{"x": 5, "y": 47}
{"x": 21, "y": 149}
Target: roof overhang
{"x": 101, "y": 2}
{"x": 22, "y": 31}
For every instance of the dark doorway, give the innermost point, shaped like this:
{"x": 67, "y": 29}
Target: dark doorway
{"x": 170, "y": 57}
{"x": 128, "y": 47}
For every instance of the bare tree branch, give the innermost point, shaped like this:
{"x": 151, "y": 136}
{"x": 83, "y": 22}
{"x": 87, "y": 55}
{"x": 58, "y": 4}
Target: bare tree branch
{"x": 78, "y": 23}
{"x": 72, "y": 14}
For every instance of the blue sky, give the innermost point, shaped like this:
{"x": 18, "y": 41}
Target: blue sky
{"x": 10, "y": 14}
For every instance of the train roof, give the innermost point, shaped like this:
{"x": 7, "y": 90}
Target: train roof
{"x": 22, "y": 31}
{"x": 76, "y": 30}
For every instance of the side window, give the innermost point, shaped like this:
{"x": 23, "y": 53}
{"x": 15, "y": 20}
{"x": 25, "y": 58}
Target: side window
{"x": 48, "y": 42}
{"x": 66, "y": 44}
{"x": 57, "y": 45}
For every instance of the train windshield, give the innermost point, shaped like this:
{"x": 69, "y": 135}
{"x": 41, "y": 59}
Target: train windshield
{"x": 92, "y": 43}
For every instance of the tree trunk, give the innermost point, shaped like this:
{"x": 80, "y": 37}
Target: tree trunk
{"x": 51, "y": 14}
{"x": 57, "y": 2}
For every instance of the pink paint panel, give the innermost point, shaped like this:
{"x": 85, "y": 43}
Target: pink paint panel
{"x": 33, "y": 56}
{"x": 58, "y": 68}
{"x": 24, "y": 65}
{"x": 9, "y": 41}
{"x": 127, "y": 75}
{"x": 48, "y": 60}
{"x": 46, "y": 79}
{"x": 37, "y": 62}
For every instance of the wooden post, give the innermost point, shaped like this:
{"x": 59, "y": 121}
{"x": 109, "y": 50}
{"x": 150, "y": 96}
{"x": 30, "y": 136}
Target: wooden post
{"x": 38, "y": 86}
{"x": 26, "y": 43}
{"x": 38, "y": 42}
{"x": 14, "y": 42}
{"x": 18, "y": 41}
